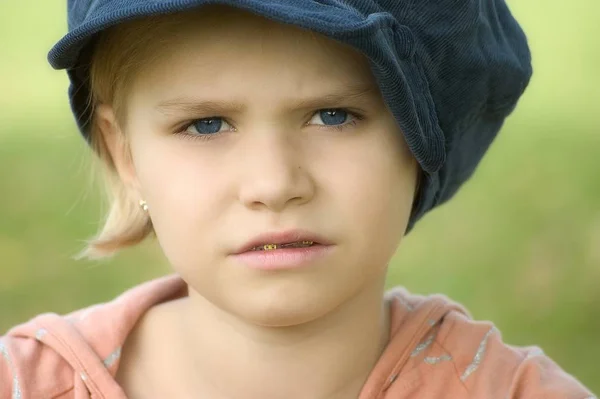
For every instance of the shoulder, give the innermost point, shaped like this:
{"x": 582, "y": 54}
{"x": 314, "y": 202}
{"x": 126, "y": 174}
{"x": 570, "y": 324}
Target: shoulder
{"x": 488, "y": 367}
{"x": 28, "y": 367}
{"x": 453, "y": 355}
{"x": 55, "y": 356}
{"x": 141, "y": 372}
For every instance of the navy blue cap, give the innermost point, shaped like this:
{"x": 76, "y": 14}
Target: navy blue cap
{"x": 450, "y": 71}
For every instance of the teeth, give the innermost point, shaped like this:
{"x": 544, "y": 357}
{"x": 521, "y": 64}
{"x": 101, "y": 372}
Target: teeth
{"x": 270, "y": 247}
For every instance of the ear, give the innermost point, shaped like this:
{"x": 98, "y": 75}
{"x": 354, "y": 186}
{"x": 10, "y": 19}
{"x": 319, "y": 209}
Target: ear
{"x": 117, "y": 145}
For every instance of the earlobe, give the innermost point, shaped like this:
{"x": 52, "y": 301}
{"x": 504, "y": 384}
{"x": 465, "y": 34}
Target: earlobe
{"x": 116, "y": 144}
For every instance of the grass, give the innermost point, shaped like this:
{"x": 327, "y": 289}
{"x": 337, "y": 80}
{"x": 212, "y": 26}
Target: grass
{"x": 518, "y": 245}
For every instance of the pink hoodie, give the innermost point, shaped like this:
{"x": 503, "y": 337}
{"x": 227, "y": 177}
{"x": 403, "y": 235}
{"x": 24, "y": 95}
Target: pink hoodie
{"x": 435, "y": 351}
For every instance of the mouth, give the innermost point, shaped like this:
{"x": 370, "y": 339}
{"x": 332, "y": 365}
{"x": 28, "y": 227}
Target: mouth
{"x": 283, "y": 240}
{"x": 297, "y": 244}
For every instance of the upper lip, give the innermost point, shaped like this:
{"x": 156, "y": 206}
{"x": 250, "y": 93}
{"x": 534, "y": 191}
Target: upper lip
{"x": 282, "y": 237}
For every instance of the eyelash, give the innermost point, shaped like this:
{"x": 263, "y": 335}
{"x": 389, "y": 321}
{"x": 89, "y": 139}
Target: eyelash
{"x": 205, "y": 137}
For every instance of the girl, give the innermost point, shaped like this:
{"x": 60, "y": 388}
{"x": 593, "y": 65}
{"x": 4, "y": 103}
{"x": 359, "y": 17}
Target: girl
{"x": 279, "y": 151}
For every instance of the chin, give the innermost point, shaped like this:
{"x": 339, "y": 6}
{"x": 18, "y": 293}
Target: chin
{"x": 284, "y": 307}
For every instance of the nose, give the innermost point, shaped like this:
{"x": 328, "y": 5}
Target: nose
{"x": 272, "y": 173}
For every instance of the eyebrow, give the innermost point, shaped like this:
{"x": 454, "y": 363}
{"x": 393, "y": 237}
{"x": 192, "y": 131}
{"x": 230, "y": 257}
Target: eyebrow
{"x": 332, "y": 99}
{"x": 191, "y": 105}
{"x": 337, "y": 98}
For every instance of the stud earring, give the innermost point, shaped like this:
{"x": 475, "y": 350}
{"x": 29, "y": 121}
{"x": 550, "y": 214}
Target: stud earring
{"x": 144, "y": 205}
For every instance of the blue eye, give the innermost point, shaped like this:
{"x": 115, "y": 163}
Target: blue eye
{"x": 207, "y": 126}
{"x": 333, "y": 116}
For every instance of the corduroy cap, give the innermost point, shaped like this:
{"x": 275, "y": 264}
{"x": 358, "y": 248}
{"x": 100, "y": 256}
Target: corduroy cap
{"x": 450, "y": 71}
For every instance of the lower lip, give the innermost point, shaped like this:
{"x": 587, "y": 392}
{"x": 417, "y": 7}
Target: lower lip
{"x": 282, "y": 259}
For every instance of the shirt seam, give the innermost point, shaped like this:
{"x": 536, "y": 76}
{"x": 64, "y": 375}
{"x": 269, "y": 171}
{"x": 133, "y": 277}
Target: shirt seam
{"x": 79, "y": 362}
{"x": 58, "y": 395}
{"x": 442, "y": 344}
{"x": 396, "y": 370}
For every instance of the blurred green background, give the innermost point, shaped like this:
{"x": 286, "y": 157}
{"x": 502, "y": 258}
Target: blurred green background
{"x": 519, "y": 245}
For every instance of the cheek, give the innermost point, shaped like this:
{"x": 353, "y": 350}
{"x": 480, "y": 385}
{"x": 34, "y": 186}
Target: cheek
{"x": 375, "y": 189}
{"x": 184, "y": 195}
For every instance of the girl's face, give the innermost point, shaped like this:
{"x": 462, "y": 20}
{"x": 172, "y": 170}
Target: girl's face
{"x": 230, "y": 137}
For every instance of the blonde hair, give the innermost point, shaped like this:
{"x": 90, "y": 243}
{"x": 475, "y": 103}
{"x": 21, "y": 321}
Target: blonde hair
{"x": 117, "y": 57}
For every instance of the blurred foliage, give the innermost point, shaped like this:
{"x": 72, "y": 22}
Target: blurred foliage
{"x": 519, "y": 244}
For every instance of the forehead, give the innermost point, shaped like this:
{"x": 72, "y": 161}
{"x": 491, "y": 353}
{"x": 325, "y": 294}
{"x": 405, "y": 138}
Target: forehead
{"x": 217, "y": 44}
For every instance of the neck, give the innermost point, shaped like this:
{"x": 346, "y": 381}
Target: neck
{"x": 327, "y": 358}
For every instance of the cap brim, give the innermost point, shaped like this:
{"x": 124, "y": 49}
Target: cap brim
{"x": 333, "y": 21}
